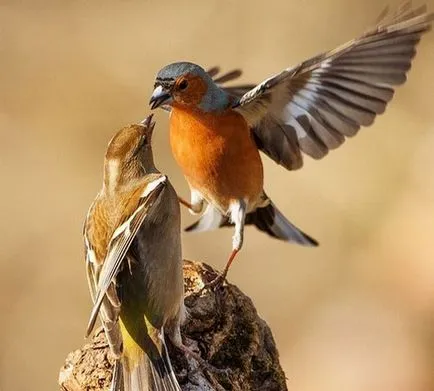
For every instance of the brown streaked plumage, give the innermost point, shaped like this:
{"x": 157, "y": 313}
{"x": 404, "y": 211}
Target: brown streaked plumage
{"x": 134, "y": 263}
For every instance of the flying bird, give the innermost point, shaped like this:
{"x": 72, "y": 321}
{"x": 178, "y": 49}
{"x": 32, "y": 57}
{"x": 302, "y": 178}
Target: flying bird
{"x": 216, "y": 133}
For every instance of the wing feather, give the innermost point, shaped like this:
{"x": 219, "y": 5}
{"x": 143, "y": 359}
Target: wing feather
{"x": 329, "y": 97}
{"x": 121, "y": 241}
{"x": 110, "y": 306}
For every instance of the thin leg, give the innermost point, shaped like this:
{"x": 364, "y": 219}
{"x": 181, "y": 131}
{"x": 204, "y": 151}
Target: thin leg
{"x": 185, "y": 203}
{"x": 229, "y": 262}
{"x": 197, "y": 203}
{"x": 202, "y": 363}
{"x": 238, "y": 216}
{"x": 175, "y": 336}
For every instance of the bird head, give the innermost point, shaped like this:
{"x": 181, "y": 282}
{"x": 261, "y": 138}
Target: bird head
{"x": 129, "y": 154}
{"x": 187, "y": 85}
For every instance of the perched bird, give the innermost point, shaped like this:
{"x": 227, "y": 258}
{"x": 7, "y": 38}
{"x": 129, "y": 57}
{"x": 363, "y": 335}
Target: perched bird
{"x": 216, "y": 133}
{"x": 134, "y": 262}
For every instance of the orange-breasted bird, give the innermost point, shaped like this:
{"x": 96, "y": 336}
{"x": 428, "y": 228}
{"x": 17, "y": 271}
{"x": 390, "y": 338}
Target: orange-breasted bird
{"x": 134, "y": 263}
{"x": 216, "y": 133}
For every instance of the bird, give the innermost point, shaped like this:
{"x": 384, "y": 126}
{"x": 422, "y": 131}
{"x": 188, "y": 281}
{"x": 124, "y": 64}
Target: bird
{"x": 134, "y": 263}
{"x": 216, "y": 132}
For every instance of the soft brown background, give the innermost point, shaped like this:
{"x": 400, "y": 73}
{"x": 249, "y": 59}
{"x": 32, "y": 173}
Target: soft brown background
{"x": 354, "y": 314}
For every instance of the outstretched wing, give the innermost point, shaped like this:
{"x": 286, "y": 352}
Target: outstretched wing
{"x": 121, "y": 241}
{"x": 312, "y": 107}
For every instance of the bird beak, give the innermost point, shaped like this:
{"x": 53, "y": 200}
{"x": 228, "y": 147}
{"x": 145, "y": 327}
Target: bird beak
{"x": 159, "y": 97}
{"x": 148, "y": 125}
{"x": 148, "y": 121}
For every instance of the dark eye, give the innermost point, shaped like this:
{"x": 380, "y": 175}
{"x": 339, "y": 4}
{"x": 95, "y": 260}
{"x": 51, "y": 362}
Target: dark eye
{"x": 143, "y": 141}
{"x": 183, "y": 85}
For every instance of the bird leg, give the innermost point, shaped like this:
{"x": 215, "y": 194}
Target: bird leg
{"x": 238, "y": 217}
{"x": 229, "y": 262}
{"x": 219, "y": 280}
{"x": 195, "y": 206}
{"x": 175, "y": 337}
{"x": 202, "y": 363}
{"x": 185, "y": 203}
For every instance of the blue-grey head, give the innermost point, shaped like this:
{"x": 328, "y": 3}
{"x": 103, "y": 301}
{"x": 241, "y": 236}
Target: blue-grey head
{"x": 185, "y": 84}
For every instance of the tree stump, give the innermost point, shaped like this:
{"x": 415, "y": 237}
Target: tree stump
{"x": 222, "y": 325}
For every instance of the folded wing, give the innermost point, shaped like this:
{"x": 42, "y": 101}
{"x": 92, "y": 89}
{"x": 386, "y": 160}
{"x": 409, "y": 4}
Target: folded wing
{"x": 121, "y": 241}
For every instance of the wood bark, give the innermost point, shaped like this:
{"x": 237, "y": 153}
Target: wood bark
{"x": 223, "y": 326}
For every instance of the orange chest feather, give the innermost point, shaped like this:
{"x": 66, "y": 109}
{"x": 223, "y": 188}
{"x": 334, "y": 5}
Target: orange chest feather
{"x": 217, "y": 154}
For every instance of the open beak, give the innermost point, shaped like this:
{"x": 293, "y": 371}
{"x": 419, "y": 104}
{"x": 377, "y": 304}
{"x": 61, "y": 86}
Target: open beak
{"x": 159, "y": 97}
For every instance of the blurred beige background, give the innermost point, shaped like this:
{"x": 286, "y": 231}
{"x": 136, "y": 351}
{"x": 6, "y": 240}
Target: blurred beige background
{"x": 355, "y": 314}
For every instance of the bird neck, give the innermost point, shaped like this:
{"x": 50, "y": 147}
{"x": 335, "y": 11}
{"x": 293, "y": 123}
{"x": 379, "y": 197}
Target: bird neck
{"x": 119, "y": 175}
{"x": 215, "y": 99}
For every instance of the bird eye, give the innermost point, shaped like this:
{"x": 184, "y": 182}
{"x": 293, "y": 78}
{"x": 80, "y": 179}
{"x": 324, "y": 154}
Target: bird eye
{"x": 183, "y": 85}
{"x": 142, "y": 142}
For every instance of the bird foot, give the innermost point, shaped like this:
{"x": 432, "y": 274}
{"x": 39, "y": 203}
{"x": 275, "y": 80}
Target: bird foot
{"x": 220, "y": 279}
{"x": 202, "y": 363}
{"x": 214, "y": 284}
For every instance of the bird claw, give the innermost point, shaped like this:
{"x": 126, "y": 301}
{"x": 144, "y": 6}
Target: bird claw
{"x": 211, "y": 368}
{"x": 221, "y": 277}
{"x": 214, "y": 284}
{"x": 203, "y": 363}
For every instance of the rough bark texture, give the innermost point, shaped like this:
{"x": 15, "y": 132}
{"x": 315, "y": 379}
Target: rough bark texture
{"x": 224, "y": 327}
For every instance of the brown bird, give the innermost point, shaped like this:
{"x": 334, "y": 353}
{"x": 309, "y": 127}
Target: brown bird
{"x": 216, "y": 133}
{"x": 134, "y": 262}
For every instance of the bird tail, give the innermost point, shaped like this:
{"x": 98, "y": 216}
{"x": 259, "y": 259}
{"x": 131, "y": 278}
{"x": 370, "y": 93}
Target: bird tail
{"x": 210, "y": 220}
{"x": 147, "y": 367}
{"x": 269, "y": 219}
{"x": 117, "y": 382}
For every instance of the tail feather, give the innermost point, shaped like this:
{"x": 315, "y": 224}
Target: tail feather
{"x": 149, "y": 372}
{"x": 117, "y": 383}
{"x": 269, "y": 219}
{"x": 210, "y": 220}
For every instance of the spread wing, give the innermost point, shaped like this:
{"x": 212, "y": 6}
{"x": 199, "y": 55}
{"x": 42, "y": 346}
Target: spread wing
{"x": 312, "y": 107}
{"x": 119, "y": 244}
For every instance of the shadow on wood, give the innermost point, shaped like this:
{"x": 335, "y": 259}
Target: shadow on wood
{"x": 222, "y": 325}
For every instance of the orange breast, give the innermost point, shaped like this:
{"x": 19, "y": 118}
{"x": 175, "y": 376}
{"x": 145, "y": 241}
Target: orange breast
{"x": 217, "y": 155}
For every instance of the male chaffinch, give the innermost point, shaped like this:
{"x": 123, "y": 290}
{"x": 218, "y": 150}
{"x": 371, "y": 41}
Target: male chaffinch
{"x": 216, "y": 133}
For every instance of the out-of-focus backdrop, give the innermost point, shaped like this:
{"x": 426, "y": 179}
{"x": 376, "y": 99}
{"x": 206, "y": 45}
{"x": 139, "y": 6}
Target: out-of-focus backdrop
{"x": 357, "y": 313}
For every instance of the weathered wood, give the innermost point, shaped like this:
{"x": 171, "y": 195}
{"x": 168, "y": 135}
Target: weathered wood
{"x": 224, "y": 327}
